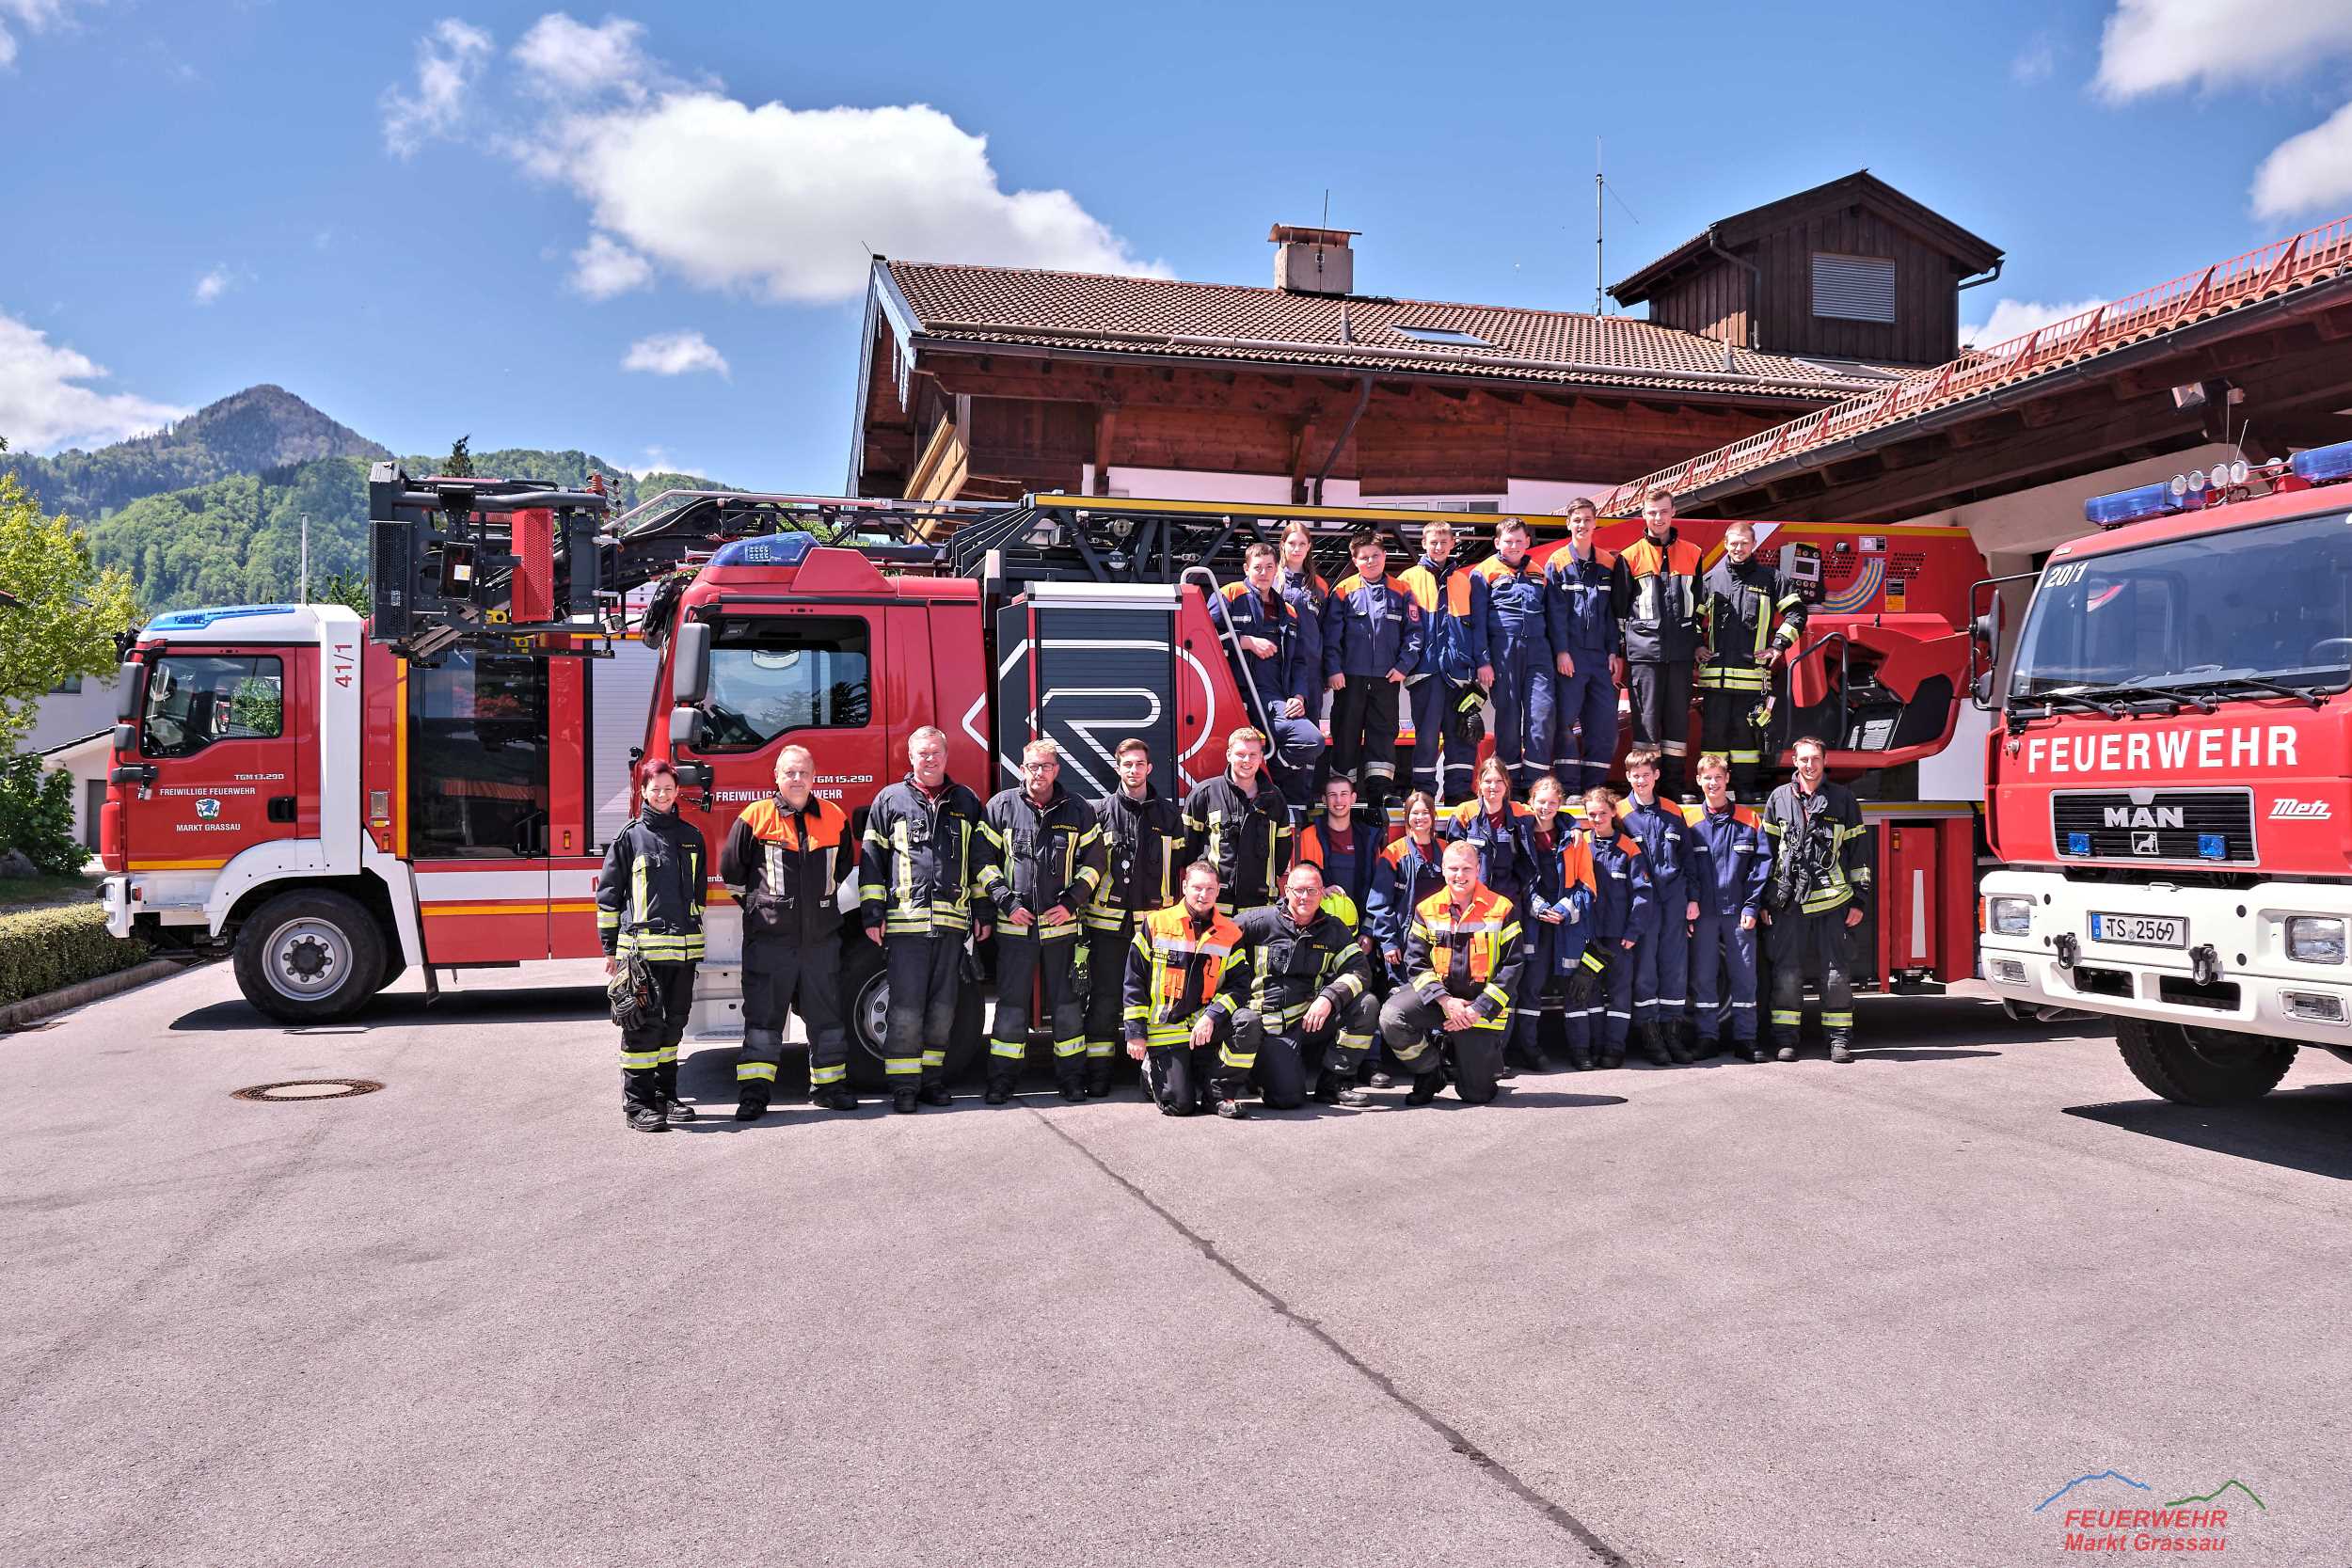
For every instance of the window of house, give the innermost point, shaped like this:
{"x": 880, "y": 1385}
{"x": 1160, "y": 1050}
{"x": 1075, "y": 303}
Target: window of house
{"x": 1443, "y": 336}
{"x": 1854, "y": 287}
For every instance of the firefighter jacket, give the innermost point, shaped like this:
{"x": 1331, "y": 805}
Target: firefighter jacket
{"x": 1175, "y": 969}
{"x": 1545, "y": 863}
{"x": 1522, "y": 611}
{"x": 1453, "y": 600}
{"x": 1473, "y": 955}
{"x": 1617, "y": 875}
{"x": 1372, "y": 628}
{"x": 1282, "y": 968}
{"x": 1034, "y": 857}
{"x": 1657, "y": 599}
{"x": 649, "y": 899}
{"x": 1507, "y": 856}
{"x": 1284, "y": 674}
{"x": 1746, "y": 611}
{"x": 915, "y": 875}
{"x": 1345, "y": 858}
{"x": 1405, "y": 874}
{"x": 788, "y": 867}
{"x": 1309, "y": 594}
{"x": 1665, "y": 833}
{"x": 1730, "y": 861}
{"x": 1817, "y": 848}
{"x": 1247, "y": 837}
{"x": 1587, "y": 591}
{"x": 1143, "y": 847}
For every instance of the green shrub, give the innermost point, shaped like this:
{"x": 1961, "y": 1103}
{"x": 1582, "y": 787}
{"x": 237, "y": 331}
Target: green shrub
{"x": 42, "y": 950}
{"x": 37, "y": 816}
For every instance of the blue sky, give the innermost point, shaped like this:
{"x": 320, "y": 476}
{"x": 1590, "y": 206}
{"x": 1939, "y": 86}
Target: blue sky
{"x": 471, "y": 217}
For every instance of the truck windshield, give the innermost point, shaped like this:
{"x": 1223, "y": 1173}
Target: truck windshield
{"x": 2246, "y": 606}
{"x": 773, "y": 675}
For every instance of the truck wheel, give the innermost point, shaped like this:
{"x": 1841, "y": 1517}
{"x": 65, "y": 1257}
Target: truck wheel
{"x": 309, "y": 957}
{"x": 2202, "y": 1067}
{"x": 865, "y": 1002}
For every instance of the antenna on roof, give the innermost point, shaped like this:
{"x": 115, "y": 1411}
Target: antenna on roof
{"x": 1599, "y": 271}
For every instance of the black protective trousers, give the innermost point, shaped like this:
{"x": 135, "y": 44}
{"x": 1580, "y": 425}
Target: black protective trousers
{"x": 1025, "y": 960}
{"x": 1661, "y": 698}
{"x": 1289, "y": 1060}
{"x": 1363, "y": 735}
{"x": 925, "y": 972}
{"x": 777, "y": 977}
{"x": 1187, "y": 1079}
{"x": 1819, "y": 943}
{"x": 1417, "y": 1036}
{"x": 1106, "y": 968}
{"x": 649, "y": 1051}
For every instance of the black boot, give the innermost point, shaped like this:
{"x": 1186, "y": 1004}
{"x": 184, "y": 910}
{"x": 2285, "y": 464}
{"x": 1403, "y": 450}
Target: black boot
{"x": 1675, "y": 1051}
{"x": 1072, "y": 1090}
{"x": 674, "y": 1109}
{"x": 833, "y": 1097}
{"x": 1425, "y": 1087}
{"x": 1098, "y": 1081}
{"x": 753, "y": 1106}
{"x": 1838, "y": 1049}
{"x": 904, "y": 1102}
{"x": 1653, "y": 1044}
{"x": 646, "y": 1118}
{"x": 936, "y": 1094}
{"x": 998, "y": 1091}
{"x": 1231, "y": 1110}
{"x": 1579, "y": 1060}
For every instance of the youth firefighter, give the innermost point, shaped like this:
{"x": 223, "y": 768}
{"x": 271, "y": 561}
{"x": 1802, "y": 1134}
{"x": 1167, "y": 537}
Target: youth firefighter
{"x": 1041, "y": 863}
{"x": 1449, "y": 693}
{"x": 1729, "y": 866}
{"x": 1300, "y": 991}
{"x": 1656, "y": 603}
{"x": 1525, "y": 633}
{"x": 1178, "y": 1024}
{"x": 786, "y": 858}
{"x": 1661, "y": 962}
{"x": 1372, "y": 643}
{"x": 1462, "y": 952}
{"x": 1752, "y": 618}
{"x": 1238, "y": 824}
{"x": 922, "y": 838}
{"x": 1584, "y": 713}
{"x": 1273, "y": 665}
{"x": 1821, "y": 885}
{"x": 1309, "y": 594}
{"x": 649, "y": 905}
{"x": 1603, "y": 858}
{"x": 1143, "y": 845}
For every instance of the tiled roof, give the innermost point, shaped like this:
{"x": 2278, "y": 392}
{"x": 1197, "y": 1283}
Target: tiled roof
{"x": 1165, "y": 318}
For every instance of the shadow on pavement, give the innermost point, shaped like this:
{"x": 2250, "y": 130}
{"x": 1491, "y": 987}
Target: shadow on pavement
{"x": 1917, "y": 1054}
{"x": 2306, "y": 1130}
{"x": 547, "y": 1005}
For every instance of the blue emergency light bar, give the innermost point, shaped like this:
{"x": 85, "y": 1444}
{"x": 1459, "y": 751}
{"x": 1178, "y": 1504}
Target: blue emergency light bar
{"x": 2323, "y": 465}
{"x": 2130, "y": 506}
{"x": 773, "y": 550}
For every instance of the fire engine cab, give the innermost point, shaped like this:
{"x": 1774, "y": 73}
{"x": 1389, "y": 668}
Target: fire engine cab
{"x": 2169, "y": 790}
{"x": 331, "y": 803}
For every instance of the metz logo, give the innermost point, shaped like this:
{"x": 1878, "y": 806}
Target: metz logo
{"x": 2144, "y": 816}
{"x": 2299, "y": 811}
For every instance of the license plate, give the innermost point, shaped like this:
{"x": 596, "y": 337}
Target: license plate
{"x": 2144, "y": 931}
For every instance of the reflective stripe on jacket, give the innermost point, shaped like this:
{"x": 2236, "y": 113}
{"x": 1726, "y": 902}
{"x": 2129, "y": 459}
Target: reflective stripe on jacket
{"x": 1288, "y": 966}
{"x": 1826, "y": 827}
{"x": 1522, "y": 611}
{"x": 1587, "y": 591}
{"x": 1247, "y": 837}
{"x": 1174, "y": 969}
{"x": 1473, "y": 956}
{"x": 1745, "y": 613}
{"x": 1143, "y": 845}
{"x": 1453, "y": 600}
{"x": 1657, "y": 599}
{"x": 915, "y": 873}
{"x": 787, "y": 867}
{"x": 1372, "y": 628}
{"x": 1731, "y": 860}
{"x": 1284, "y": 674}
{"x": 1034, "y": 857}
{"x": 649, "y": 897}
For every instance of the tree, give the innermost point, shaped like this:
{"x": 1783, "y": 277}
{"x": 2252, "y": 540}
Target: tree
{"x": 350, "y": 590}
{"x": 459, "y": 462}
{"x": 59, "y": 614}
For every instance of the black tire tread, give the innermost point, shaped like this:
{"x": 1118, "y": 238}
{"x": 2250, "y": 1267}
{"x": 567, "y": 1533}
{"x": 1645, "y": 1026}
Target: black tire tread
{"x": 2166, "y": 1062}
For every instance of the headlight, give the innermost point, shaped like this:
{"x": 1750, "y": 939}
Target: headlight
{"x": 2008, "y": 917}
{"x": 2315, "y": 938}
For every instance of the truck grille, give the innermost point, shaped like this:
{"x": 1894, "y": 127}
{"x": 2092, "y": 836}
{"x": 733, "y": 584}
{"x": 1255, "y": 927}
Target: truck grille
{"x": 2200, "y": 827}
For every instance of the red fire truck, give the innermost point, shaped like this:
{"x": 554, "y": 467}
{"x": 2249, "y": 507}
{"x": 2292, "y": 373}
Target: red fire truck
{"x": 2168, "y": 789}
{"x": 331, "y": 803}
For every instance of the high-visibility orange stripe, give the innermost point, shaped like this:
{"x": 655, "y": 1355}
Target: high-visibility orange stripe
{"x": 179, "y": 865}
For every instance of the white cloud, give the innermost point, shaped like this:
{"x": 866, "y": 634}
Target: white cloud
{"x": 2014, "y": 318}
{"x": 601, "y": 269}
{"x": 449, "y": 64}
{"x": 33, "y": 16}
{"x": 674, "y": 354}
{"x": 43, "y": 405}
{"x": 2312, "y": 169}
{"x": 2149, "y": 45}
{"x": 567, "y": 60}
{"x": 2034, "y": 62}
{"x": 216, "y": 284}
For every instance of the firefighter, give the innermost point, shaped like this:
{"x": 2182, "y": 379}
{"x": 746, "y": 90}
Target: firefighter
{"x": 1656, "y": 605}
{"x": 649, "y": 905}
{"x": 786, "y": 858}
{"x": 1409, "y": 871}
{"x": 1143, "y": 845}
{"x": 1309, "y": 594}
{"x": 1661, "y": 962}
{"x": 1608, "y": 863}
{"x": 1525, "y": 632}
{"x": 915, "y": 878}
{"x": 1373, "y": 637}
{"x": 1448, "y": 693}
{"x": 1739, "y": 679}
{"x": 1342, "y": 847}
{"x": 1730, "y": 866}
{"x": 1043, "y": 860}
{"x": 1584, "y": 716}
{"x": 1821, "y": 886}
{"x": 1300, "y": 993}
{"x": 1179, "y": 1024}
{"x": 1238, "y": 824}
{"x": 1273, "y": 665}
{"x": 1462, "y": 963}
{"x": 1546, "y": 831}
{"x": 1498, "y": 826}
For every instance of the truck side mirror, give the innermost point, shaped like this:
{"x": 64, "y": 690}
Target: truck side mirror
{"x": 1982, "y": 689}
{"x": 689, "y": 666}
{"x": 127, "y": 689}
{"x": 686, "y": 729}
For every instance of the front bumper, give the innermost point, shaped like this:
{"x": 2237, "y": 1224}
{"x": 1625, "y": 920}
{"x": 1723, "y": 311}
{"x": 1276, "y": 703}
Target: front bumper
{"x": 2253, "y": 985}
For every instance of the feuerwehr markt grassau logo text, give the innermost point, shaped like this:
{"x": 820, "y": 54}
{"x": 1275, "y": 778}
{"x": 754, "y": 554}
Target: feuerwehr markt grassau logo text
{"x": 2108, "y": 1512}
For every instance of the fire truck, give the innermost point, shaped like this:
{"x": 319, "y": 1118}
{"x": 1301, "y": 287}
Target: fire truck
{"x": 330, "y": 802}
{"x": 2170, "y": 790}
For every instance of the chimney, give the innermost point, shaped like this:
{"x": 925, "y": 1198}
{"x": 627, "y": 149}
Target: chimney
{"x": 1313, "y": 260}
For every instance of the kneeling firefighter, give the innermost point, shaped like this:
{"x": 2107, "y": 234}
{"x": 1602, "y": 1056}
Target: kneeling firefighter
{"x": 1303, "y": 1005}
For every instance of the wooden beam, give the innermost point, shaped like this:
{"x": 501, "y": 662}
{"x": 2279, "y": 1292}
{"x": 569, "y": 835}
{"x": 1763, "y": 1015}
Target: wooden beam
{"x": 1105, "y": 427}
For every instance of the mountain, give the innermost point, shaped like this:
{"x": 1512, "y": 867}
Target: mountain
{"x": 249, "y": 432}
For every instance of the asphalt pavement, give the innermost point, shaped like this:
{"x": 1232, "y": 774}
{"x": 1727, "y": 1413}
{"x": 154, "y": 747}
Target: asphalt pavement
{"x": 1730, "y": 1314}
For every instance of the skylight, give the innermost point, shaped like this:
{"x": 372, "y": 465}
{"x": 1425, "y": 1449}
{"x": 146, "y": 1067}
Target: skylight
{"x": 1445, "y": 336}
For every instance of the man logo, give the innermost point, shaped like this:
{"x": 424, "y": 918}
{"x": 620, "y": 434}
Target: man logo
{"x": 2143, "y": 843}
{"x": 2143, "y": 816}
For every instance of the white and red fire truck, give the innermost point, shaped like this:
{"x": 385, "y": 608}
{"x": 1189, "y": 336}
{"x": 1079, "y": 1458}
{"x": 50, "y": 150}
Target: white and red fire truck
{"x": 331, "y": 803}
{"x": 2170, "y": 791}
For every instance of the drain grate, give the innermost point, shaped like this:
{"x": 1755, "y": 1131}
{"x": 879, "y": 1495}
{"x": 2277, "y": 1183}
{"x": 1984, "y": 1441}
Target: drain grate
{"x": 308, "y": 1088}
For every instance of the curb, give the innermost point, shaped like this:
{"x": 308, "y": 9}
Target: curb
{"x": 34, "y": 1008}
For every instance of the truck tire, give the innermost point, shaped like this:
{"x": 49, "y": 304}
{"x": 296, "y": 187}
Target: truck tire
{"x": 865, "y": 1000}
{"x": 309, "y": 957}
{"x": 2202, "y": 1067}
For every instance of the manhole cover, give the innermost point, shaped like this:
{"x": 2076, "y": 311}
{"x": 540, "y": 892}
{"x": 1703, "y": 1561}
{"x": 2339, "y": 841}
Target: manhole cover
{"x": 310, "y": 1088}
